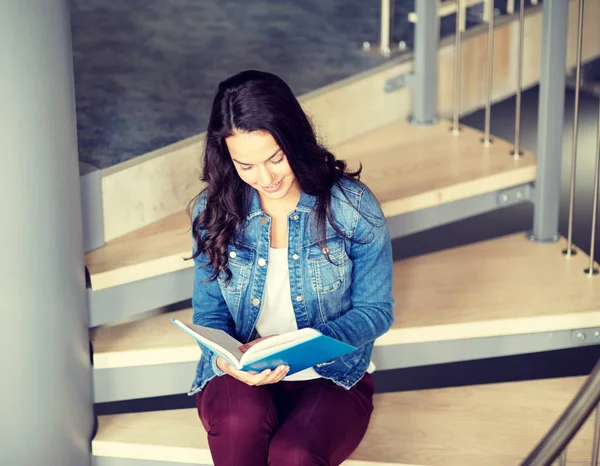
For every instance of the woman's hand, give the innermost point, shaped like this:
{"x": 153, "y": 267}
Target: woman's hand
{"x": 253, "y": 379}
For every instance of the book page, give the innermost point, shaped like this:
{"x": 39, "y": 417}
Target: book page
{"x": 278, "y": 343}
{"x": 216, "y": 340}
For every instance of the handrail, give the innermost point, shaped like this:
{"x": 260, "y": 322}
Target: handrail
{"x": 569, "y": 423}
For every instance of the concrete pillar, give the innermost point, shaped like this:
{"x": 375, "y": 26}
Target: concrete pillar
{"x": 46, "y": 413}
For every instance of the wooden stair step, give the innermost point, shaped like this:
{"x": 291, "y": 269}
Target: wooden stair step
{"x": 503, "y": 286}
{"x": 485, "y": 425}
{"x": 154, "y": 250}
{"x": 143, "y": 342}
{"x": 408, "y": 167}
{"x": 411, "y": 168}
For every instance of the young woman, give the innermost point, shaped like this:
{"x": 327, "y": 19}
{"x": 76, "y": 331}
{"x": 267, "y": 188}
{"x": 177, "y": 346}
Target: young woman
{"x": 284, "y": 239}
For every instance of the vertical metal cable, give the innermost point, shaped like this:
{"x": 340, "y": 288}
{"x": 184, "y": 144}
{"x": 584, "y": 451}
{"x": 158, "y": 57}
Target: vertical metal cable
{"x": 457, "y": 70}
{"x": 517, "y": 149}
{"x": 562, "y": 461}
{"x": 387, "y": 9}
{"x": 489, "y": 73}
{"x": 596, "y": 438}
{"x": 569, "y": 251}
{"x": 591, "y": 270}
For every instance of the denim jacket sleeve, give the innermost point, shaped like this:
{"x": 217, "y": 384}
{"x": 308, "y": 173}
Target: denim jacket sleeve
{"x": 371, "y": 314}
{"x": 210, "y": 309}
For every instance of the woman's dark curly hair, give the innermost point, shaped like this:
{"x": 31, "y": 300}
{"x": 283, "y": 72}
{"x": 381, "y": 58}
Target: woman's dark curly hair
{"x": 258, "y": 101}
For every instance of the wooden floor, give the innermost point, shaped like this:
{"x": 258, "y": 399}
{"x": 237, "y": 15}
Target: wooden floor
{"x": 503, "y": 286}
{"x": 408, "y": 167}
{"x": 486, "y": 425}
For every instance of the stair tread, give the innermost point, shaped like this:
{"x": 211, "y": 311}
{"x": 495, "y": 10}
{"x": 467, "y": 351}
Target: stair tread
{"x": 442, "y": 168}
{"x": 150, "y": 251}
{"x": 147, "y": 341}
{"x": 431, "y": 166}
{"x": 485, "y": 425}
{"x": 502, "y": 286}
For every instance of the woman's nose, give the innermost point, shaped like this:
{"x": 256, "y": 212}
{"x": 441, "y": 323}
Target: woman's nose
{"x": 265, "y": 177}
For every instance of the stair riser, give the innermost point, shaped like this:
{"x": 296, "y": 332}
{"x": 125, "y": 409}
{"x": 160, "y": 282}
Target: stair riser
{"x": 124, "y": 301}
{"x": 127, "y": 383}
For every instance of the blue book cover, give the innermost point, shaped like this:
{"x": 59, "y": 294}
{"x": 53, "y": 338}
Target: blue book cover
{"x": 299, "y": 350}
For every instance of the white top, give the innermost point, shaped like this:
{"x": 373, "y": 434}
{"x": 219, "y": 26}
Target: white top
{"x": 277, "y": 313}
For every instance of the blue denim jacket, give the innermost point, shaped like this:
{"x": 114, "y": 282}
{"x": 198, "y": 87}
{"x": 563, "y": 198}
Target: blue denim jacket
{"x": 349, "y": 298}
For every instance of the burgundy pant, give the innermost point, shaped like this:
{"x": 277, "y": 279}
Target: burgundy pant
{"x": 305, "y": 423}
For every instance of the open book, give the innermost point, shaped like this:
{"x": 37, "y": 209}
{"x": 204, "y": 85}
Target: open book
{"x": 299, "y": 350}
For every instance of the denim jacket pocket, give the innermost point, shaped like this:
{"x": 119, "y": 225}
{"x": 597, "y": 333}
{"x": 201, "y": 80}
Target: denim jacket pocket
{"x": 327, "y": 275}
{"x": 241, "y": 260}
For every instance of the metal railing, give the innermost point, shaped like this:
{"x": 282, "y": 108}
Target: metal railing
{"x": 569, "y": 251}
{"x": 555, "y": 443}
{"x": 551, "y": 100}
{"x": 460, "y": 9}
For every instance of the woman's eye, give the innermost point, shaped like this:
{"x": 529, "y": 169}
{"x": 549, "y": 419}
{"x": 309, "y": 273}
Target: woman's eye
{"x": 277, "y": 161}
{"x": 246, "y": 168}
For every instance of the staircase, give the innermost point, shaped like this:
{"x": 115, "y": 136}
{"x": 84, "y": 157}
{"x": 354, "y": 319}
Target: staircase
{"x": 503, "y": 296}
{"x": 496, "y": 297}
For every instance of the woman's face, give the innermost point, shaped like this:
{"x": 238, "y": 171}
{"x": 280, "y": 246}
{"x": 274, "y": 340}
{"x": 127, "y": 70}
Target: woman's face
{"x": 261, "y": 163}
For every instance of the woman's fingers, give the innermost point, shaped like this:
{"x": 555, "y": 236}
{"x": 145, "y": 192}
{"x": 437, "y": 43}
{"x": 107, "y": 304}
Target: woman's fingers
{"x": 263, "y": 378}
{"x": 224, "y": 365}
{"x": 275, "y": 376}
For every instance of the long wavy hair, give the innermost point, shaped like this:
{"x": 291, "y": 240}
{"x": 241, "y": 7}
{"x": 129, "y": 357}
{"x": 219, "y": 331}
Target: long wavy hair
{"x": 258, "y": 101}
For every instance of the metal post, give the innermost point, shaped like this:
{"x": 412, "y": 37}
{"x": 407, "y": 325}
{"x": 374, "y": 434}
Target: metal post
{"x": 563, "y": 458}
{"x": 457, "y": 69}
{"x": 426, "y": 62}
{"x": 596, "y": 445}
{"x": 550, "y": 120}
{"x": 569, "y": 251}
{"x": 489, "y": 73}
{"x": 591, "y": 270}
{"x": 386, "y": 27}
{"x": 517, "y": 152}
{"x": 46, "y": 390}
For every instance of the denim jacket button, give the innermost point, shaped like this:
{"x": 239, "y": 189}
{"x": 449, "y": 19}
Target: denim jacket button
{"x": 263, "y": 221}
{"x": 255, "y": 302}
{"x": 295, "y": 217}
{"x": 325, "y": 250}
{"x": 295, "y": 257}
{"x": 298, "y": 298}
{"x": 262, "y": 262}
{"x": 232, "y": 254}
